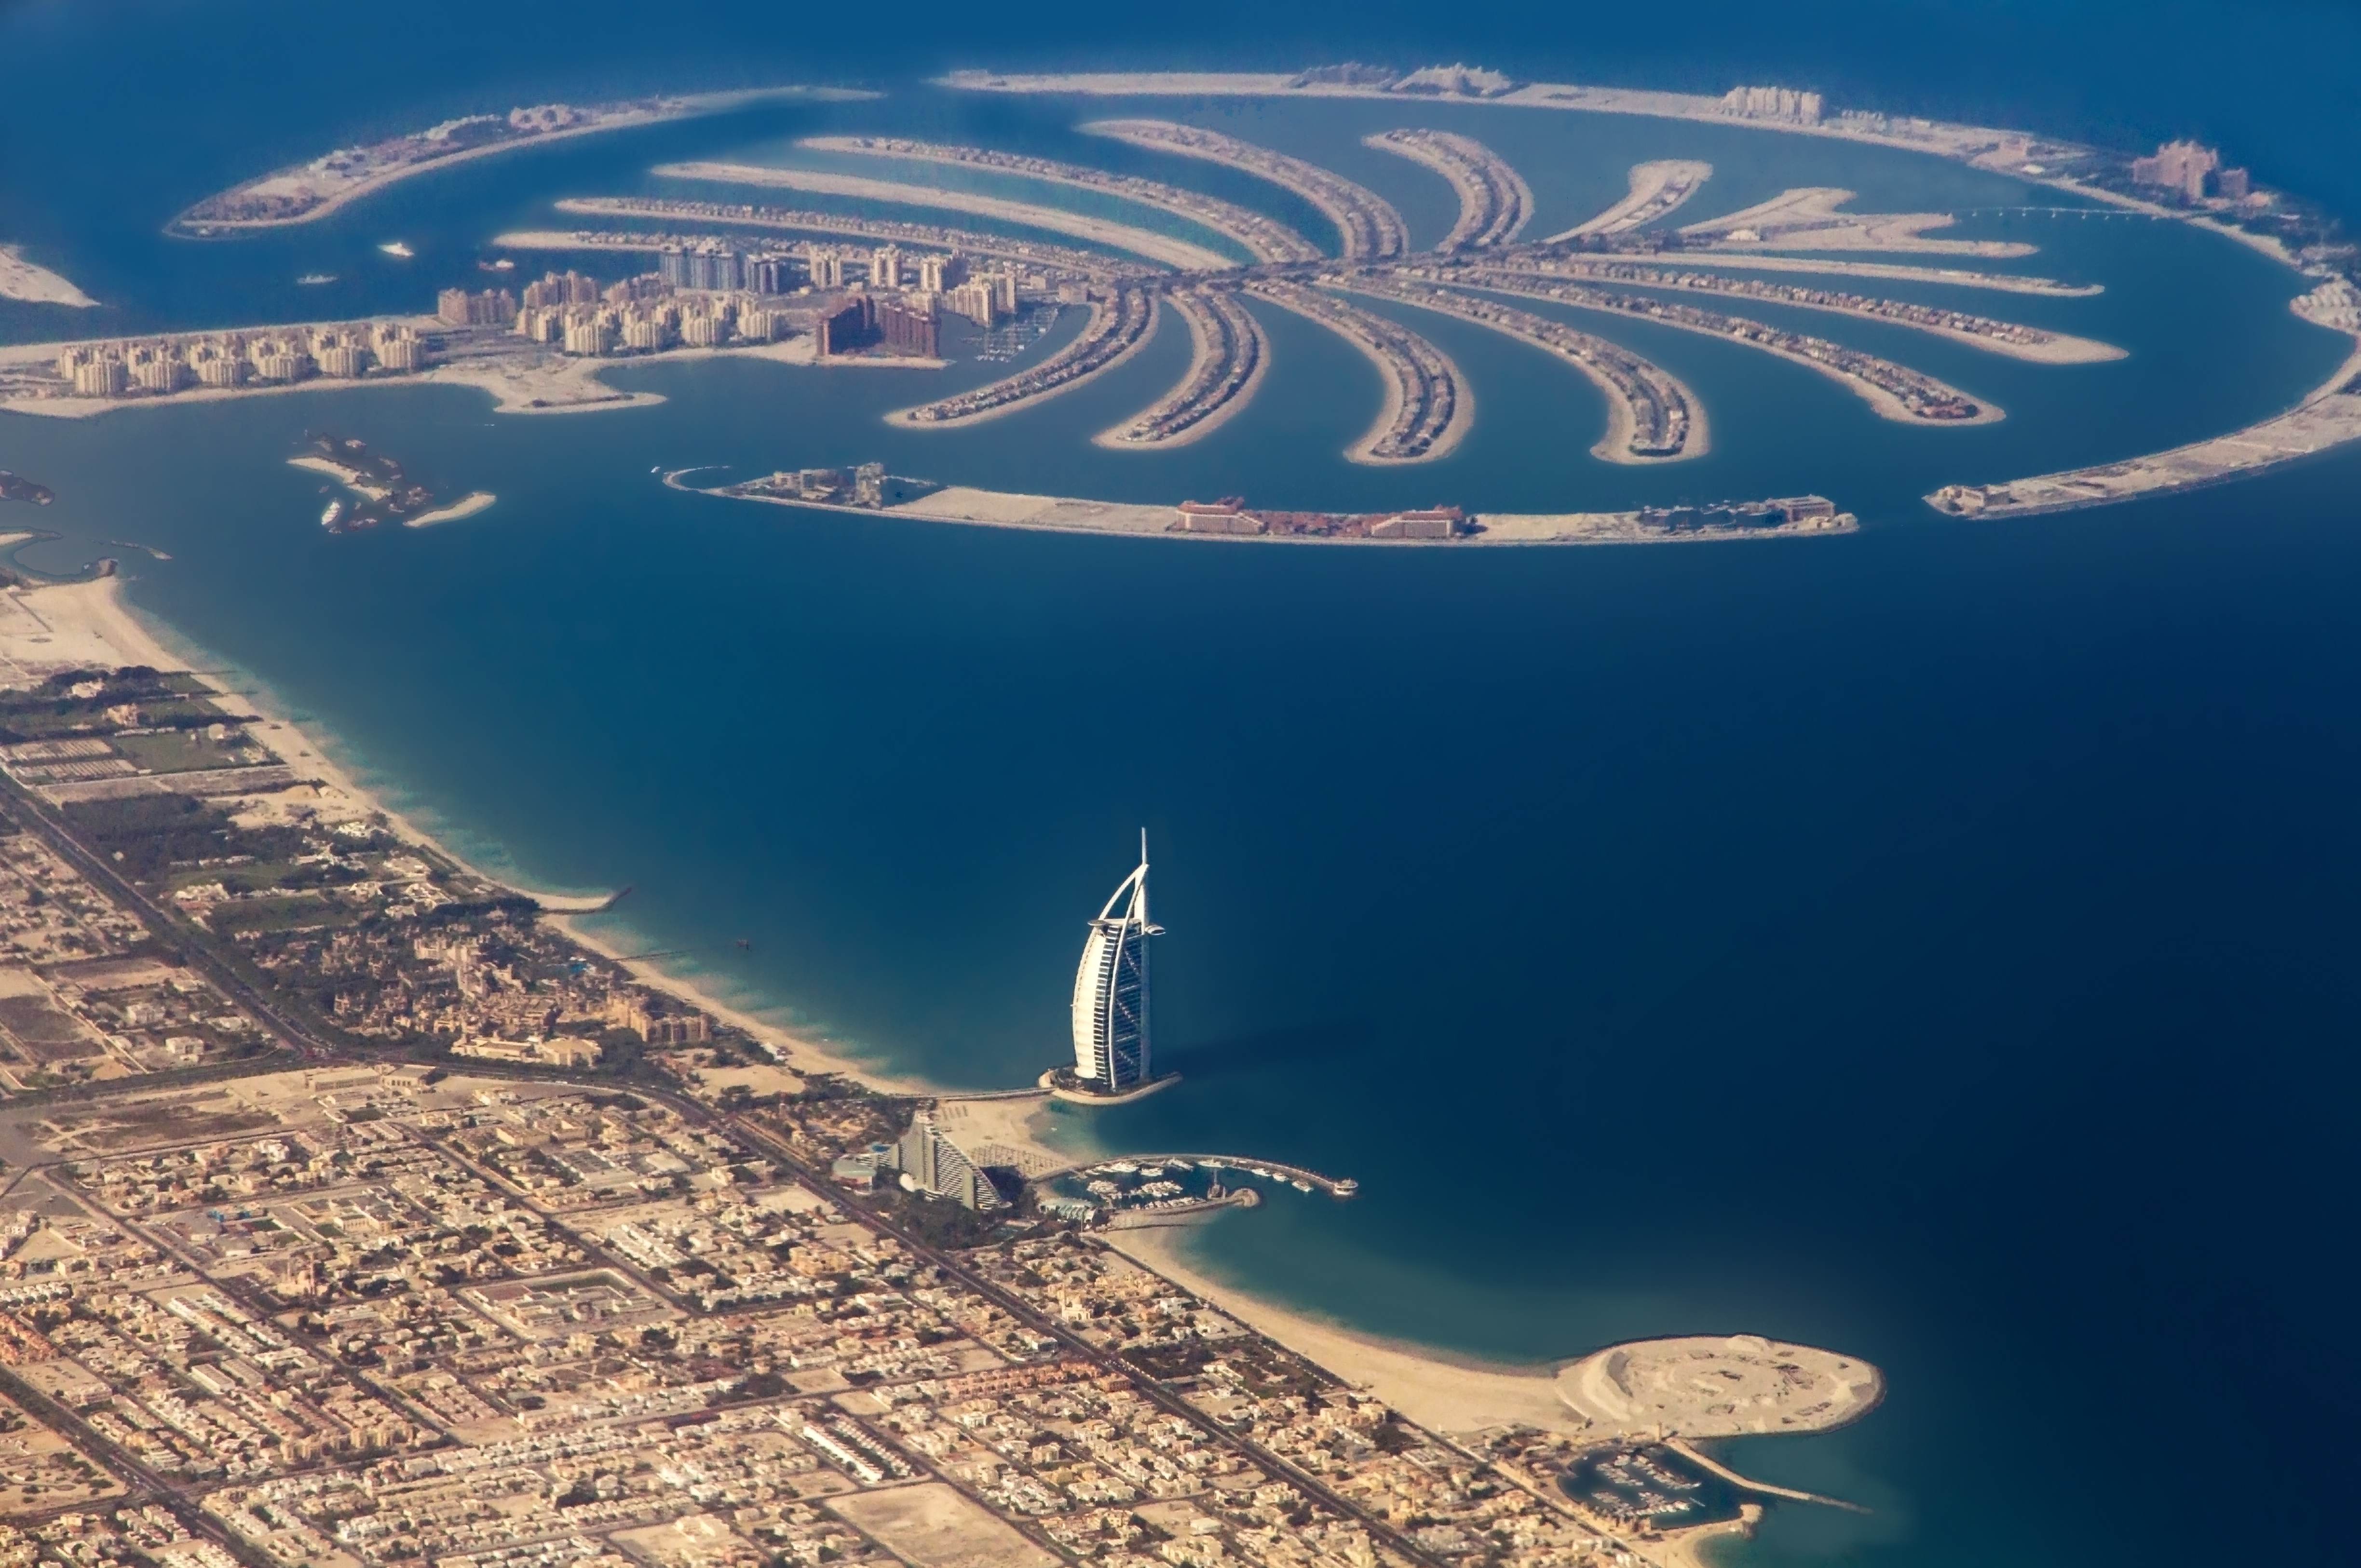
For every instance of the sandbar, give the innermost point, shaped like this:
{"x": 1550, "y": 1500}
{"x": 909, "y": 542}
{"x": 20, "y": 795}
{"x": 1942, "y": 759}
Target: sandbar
{"x": 467, "y": 505}
{"x": 35, "y": 285}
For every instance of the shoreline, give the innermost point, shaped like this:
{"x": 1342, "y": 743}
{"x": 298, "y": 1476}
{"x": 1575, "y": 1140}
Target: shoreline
{"x": 1648, "y": 182}
{"x": 101, "y": 610}
{"x": 30, "y": 283}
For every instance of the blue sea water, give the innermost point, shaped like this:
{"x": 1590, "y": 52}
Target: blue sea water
{"x": 1932, "y": 943}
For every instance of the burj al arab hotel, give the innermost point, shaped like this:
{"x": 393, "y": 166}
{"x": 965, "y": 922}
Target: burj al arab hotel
{"x": 1111, "y": 1031}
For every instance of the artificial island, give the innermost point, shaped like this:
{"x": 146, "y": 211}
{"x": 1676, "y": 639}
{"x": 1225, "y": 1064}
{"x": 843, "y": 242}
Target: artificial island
{"x": 832, "y": 289}
{"x": 361, "y": 1211}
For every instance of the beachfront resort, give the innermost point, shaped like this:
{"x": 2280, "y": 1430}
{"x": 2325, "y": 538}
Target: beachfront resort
{"x": 363, "y": 1212}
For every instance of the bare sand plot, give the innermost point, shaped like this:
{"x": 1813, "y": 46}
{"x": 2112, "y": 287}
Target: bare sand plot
{"x": 1656, "y": 189}
{"x": 930, "y": 1526}
{"x": 1806, "y": 218}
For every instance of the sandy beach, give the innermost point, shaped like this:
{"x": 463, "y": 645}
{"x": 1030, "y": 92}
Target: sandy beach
{"x": 91, "y": 624}
{"x": 22, "y": 281}
{"x": 1448, "y": 1394}
{"x": 1289, "y": 297}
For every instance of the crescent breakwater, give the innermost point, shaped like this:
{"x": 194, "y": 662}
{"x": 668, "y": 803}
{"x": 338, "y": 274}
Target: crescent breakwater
{"x": 1428, "y": 409}
{"x": 1896, "y": 392}
{"x": 306, "y": 192}
{"x": 2330, "y": 417}
{"x": 1160, "y": 247}
{"x": 1264, "y": 238}
{"x": 1229, "y": 354}
{"x": 1653, "y": 417}
{"x": 1367, "y": 223}
{"x": 1495, "y": 202}
{"x": 872, "y": 493}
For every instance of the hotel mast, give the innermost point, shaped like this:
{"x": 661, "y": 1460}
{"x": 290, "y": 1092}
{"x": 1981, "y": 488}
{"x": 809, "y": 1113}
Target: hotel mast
{"x": 1111, "y": 989}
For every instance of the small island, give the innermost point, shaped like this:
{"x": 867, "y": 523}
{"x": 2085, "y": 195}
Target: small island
{"x": 386, "y": 494}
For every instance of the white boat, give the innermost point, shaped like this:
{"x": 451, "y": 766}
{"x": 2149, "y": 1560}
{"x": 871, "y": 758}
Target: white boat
{"x": 314, "y": 279}
{"x": 328, "y": 518}
{"x": 395, "y": 247}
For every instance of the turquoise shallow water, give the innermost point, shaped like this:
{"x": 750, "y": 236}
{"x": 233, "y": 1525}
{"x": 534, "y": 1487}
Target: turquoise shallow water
{"x": 1929, "y": 942}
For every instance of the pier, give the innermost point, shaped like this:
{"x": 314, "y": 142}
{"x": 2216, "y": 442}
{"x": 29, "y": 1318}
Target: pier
{"x": 1264, "y": 238}
{"x": 1495, "y": 202}
{"x": 1370, "y": 228}
{"x": 1267, "y": 1169}
{"x": 1427, "y": 408}
{"x": 1653, "y": 417}
{"x": 1226, "y": 368}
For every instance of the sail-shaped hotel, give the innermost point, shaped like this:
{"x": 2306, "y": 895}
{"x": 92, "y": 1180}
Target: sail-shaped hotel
{"x": 1111, "y": 997}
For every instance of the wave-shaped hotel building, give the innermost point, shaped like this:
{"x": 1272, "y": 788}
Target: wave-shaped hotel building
{"x": 1111, "y": 990}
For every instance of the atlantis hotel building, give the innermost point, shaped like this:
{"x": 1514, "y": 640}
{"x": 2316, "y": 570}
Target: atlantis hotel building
{"x": 1111, "y": 1037}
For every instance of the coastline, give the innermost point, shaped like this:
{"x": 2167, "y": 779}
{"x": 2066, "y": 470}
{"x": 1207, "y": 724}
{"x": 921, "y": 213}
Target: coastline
{"x": 29, "y": 284}
{"x": 96, "y": 616}
{"x": 1433, "y": 1388}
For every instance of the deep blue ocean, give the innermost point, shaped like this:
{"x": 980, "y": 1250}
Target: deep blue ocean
{"x": 1934, "y": 943}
